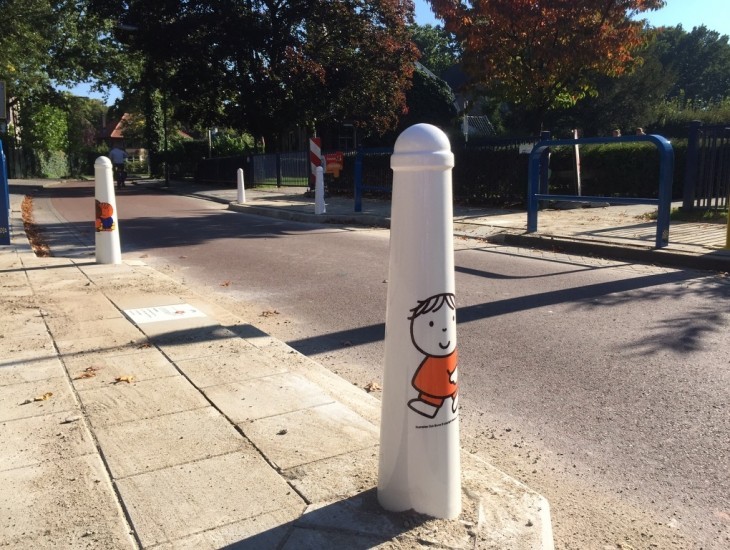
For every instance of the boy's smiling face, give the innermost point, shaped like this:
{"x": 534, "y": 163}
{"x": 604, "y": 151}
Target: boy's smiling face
{"x": 434, "y": 333}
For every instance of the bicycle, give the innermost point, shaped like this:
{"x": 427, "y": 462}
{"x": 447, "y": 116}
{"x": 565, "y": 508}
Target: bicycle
{"x": 120, "y": 175}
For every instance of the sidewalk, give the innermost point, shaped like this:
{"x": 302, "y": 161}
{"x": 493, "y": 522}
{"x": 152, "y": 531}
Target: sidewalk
{"x": 621, "y": 232}
{"x": 136, "y": 414}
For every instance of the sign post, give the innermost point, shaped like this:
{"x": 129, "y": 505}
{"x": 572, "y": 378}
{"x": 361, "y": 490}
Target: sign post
{"x": 420, "y": 464}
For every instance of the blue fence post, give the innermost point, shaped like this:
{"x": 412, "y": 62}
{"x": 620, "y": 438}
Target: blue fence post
{"x": 690, "y": 169}
{"x": 358, "y": 179}
{"x": 666, "y": 176}
{"x": 533, "y": 185}
{"x": 4, "y": 200}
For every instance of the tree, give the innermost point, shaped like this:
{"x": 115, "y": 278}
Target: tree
{"x": 698, "y": 60}
{"x": 545, "y": 54}
{"x": 49, "y": 42}
{"x": 438, "y": 48}
{"x": 268, "y": 65}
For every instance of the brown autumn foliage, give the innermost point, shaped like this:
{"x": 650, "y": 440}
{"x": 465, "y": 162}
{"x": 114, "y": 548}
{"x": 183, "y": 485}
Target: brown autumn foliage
{"x": 544, "y": 54}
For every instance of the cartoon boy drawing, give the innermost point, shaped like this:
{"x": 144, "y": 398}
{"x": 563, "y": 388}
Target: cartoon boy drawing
{"x": 104, "y": 217}
{"x": 433, "y": 332}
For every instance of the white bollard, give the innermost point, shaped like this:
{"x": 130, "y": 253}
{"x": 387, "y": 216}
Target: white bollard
{"x": 420, "y": 464}
{"x": 241, "y": 195}
{"x": 108, "y": 250}
{"x": 319, "y": 206}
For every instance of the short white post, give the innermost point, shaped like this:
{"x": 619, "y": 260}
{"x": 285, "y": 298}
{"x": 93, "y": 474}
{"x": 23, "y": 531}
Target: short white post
{"x": 108, "y": 250}
{"x": 319, "y": 206}
{"x": 241, "y": 195}
{"x": 420, "y": 465}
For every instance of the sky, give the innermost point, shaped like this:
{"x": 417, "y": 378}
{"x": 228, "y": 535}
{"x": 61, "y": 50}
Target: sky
{"x": 714, "y": 14}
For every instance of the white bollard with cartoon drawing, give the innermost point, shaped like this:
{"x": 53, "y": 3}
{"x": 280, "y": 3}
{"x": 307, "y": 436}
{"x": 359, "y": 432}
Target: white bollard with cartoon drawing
{"x": 420, "y": 466}
{"x": 108, "y": 250}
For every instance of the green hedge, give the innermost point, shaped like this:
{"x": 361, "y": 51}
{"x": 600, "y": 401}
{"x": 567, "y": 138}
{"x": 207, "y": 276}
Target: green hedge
{"x": 52, "y": 164}
{"x": 626, "y": 170}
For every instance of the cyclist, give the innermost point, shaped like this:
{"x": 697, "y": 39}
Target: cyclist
{"x": 118, "y": 155}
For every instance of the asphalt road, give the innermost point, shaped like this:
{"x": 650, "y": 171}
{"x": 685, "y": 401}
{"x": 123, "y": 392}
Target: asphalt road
{"x": 603, "y": 385}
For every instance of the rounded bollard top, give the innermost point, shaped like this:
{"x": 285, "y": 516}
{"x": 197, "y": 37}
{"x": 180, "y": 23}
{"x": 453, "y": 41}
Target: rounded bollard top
{"x": 422, "y": 147}
{"x": 103, "y": 161}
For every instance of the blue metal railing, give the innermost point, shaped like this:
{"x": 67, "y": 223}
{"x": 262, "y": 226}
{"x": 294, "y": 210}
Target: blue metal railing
{"x": 385, "y": 181}
{"x": 4, "y": 200}
{"x": 538, "y": 185}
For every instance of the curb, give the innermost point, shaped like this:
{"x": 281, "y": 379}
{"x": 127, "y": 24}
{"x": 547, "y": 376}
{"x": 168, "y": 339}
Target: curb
{"x": 355, "y": 219}
{"x": 708, "y": 262}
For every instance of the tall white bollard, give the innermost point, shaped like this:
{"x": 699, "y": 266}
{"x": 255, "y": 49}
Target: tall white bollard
{"x": 319, "y": 206}
{"x": 108, "y": 250}
{"x": 420, "y": 464}
{"x": 241, "y": 195}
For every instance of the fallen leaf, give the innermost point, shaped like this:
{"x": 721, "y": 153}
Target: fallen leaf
{"x": 127, "y": 379}
{"x": 282, "y": 432}
{"x": 145, "y": 345}
{"x": 89, "y": 372}
{"x": 347, "y": 343}
{"x": 226, "y": 283}
{"x": 269, "y": 313}
{"x": 372, "y": 386}
{"x": 45, "y": 397}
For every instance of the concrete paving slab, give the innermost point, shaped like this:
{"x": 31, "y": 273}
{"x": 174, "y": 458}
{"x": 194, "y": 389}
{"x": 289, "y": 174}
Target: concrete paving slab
{"x": 199, "y": 342}
{"x": 13, "y": 280}
{"x": 296, "y": 438}
{"x": 143, "y": 364}
{"x": 19, "y": 399}
{"x": 357, "y": 399}
{"x": 58, "y": 280}
{"x": 21, "y": 321}
{"x": 177, "y": 502}
{"x": 9, "y": 259}
{"x": 156, "y": 443}
{"x": 334, "y": 478}
{"x": 16, "y": 293}
{"x": 359, "y": 514}
{"x": 257, "y": 533}
{"x": 110, "y": 343}
{"x": 226, "y": 368}
{"x": 61, "y": 504}
{"x": 125, "y": 402}
{"x": 23, "y": 347}
{"x": 268, "y": 396}
{"x": 29, "y": 441}
{"x": 110, "y": 329}
{"x": 30, "y": 371}
{"x": 32, "y": 262}
{"x": 308, "y": 539}
{"x": 80, "y": 306}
